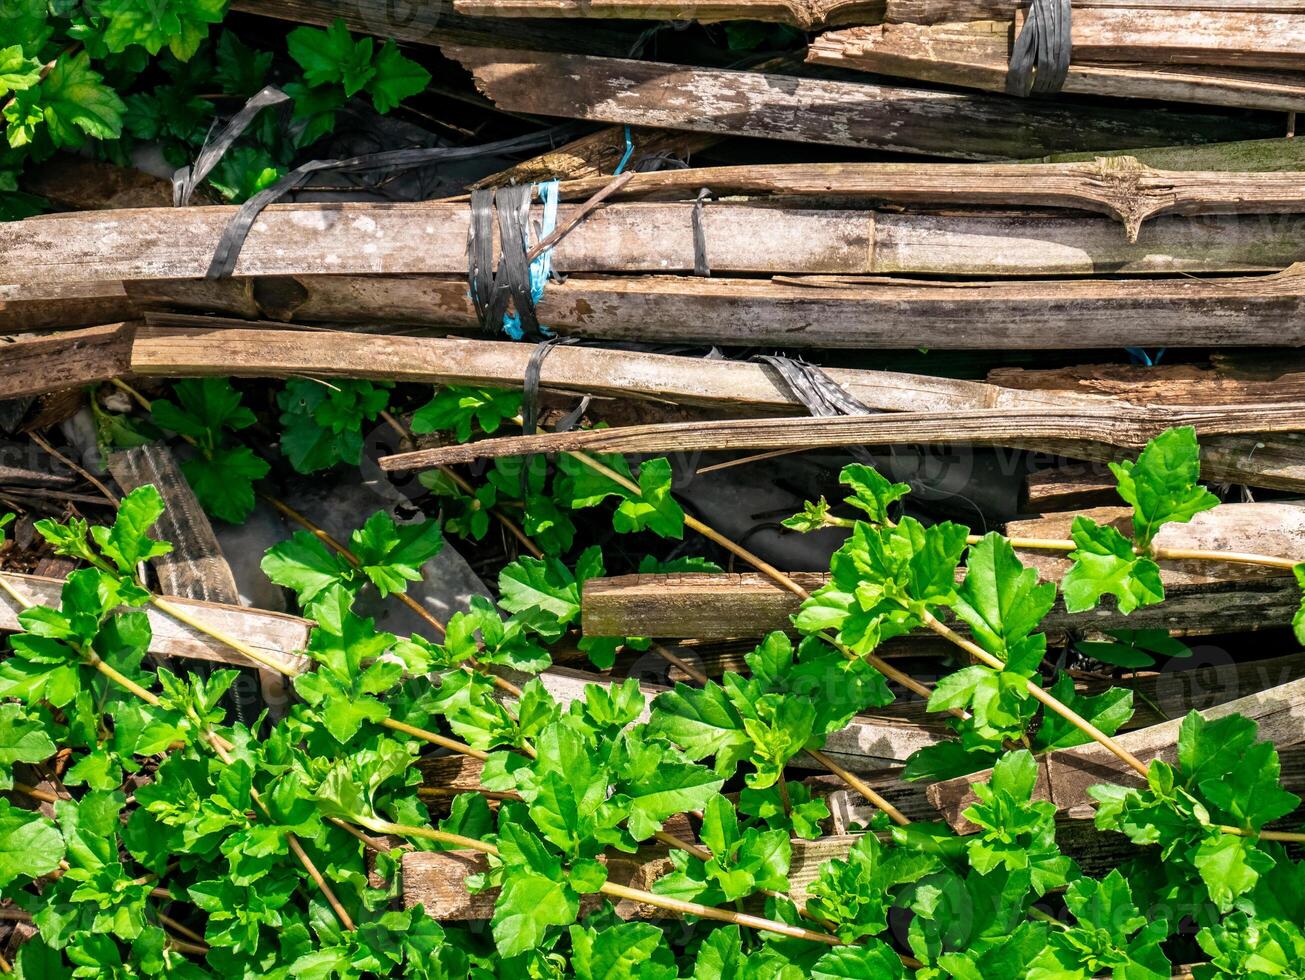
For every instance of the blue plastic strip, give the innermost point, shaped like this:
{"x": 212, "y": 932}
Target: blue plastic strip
{"x": 542, "y": 267}
{"x": 1140, "y": 356}
{"x": 629, "y": 151}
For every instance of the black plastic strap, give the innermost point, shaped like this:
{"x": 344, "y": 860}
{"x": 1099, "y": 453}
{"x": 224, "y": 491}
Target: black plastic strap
{"x": 821, "y": 394}
{"x": 217, "y": 142}
{"x": 700, "y": 266}
{"x": 513, "y": 206}
{"x": 237, "y": 229}
{"x": 530, "y": 381}
{"x": 1039, "y": 61}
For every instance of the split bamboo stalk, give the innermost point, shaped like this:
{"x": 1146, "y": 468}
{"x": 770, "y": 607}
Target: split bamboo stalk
{"x": 948, "y": 124}
{"x": 406, "y": 239}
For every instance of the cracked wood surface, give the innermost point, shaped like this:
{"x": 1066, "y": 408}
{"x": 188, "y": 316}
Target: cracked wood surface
{"x": 881, "y": 117}
{"x": 1120, "y": 186}
{"x": 273, "y": 634}
{"x": 976, "y": 55}
{"x": 800, "y": 312}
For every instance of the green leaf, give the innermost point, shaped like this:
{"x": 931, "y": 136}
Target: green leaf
{"x": 322, "y": 421}
{"x": 1134, "y": 648}
{"x": 181, "y": 25}
{"x": 1104, "y": 563}
{"x": 75, "y": 102}
{"x": 22, "y": 739}
{"x": 1230, "y": 866}
{"x": 1108, "y": 711}
{"x": 540, "y": 584}
{"x": 127, "y": 543}
{"x": 619, "y": 952}
{"x": 305, "y": 565}
{"x": 1298, "y": 618}
{"x": 30, "y": 846}
{"x": 871, "y": 491}
{"x": 527, "y": 906}
{"x": 457, "y": 409}
{"x": 391, "y": 554}
{"x": 872, "y": 961}
{"x": 240, "y": 69}
{"x": 224, "y": 484}
{"x": 1161, "y": 485}
{"x": 703, "y": 722}
{"x": 17, "y": 73}
{"x": 1003, "y": 603}
{"x": 813, "y": 517}
{"x": 655, "y": 509}
{"x": 396, "y": 78}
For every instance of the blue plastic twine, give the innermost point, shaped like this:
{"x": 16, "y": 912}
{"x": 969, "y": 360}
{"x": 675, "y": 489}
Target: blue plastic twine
{"x": 1141, "y": 357}
{"x": 542, "y": 267}
{"x": 629, "y": 150}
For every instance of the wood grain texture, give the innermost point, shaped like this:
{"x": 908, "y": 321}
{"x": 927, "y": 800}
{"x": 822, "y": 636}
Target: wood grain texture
{"x": 976, "y": 55}
{"x": 1261, "y": 156}
{"x": 405, "y": 239}
{"x": 225, "y": 349}
{"x": 879, "y": 117}
{"x": 32, "y": 364}
{"x": 1095, "y": 433}
{"x": 277, "y": 635}
{"x": 1064, "y": 776}
{"x": 1245, "y": 38}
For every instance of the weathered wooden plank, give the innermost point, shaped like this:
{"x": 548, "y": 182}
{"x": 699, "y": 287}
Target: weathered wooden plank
{"x": 796, "y": 313}
{"x": 32, "y": 364}
{"x": 975, "y": 54}
{"x": 76, "y": 304}
{"x": 224, "y": 349}
{"x": 1094, "y": 432}
{"x": 1121, "y": 187}
{"x": 436, "y": 22}
{"x": 1246, "y": 38}
{"x": 274, "y": 634}
{"x": 1064, "y": 776}
{"x": 1197, "y": 596}
{"x": 403, "y": 239}
{"x": 977, "y": 127}
{"x": 1232, "y": 377}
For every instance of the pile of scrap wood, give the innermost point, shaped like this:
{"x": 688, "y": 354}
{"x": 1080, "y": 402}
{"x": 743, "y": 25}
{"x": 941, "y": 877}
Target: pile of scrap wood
{"x": 966, "y": 264}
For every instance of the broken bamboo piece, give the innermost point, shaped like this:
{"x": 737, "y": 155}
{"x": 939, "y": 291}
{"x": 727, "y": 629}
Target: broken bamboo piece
{"x": 722, "y": 606}
{"x": 805, "y": 312}
{"x": 225, "y": 349}
{"x": 273, "y": 635}
{"x": 878, "y": 117}
{"x": 35, "y": 363}
{"x": 405, "y": 239}
{"x": 1121, "y": 186}
{"x": 976, "y": 55}
{"x": 1090, "y": 432}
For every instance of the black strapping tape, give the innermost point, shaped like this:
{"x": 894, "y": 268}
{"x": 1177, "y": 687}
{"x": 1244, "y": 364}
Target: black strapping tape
{"x": 1039, "y": 61}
